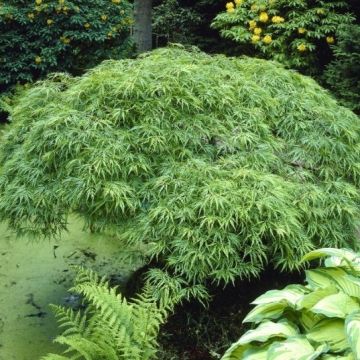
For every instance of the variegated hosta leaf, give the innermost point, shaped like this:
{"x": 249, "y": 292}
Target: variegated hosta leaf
{"x": 320, "y": 278}
{"x": 330, "y": 331}
{"x": 308, "y": 319}
{"x": 337, "y": 257}
{"x": 291, "y": 294}
{"x": 337, "y": 305}
{"x": 295, "y": 348}
{"x": 352, "y": 330}
{"x": 266, "y": 312}
{"x": 337, "y": 357}
{"x": 268, "y": 330}
{"x": 246, "y": 352}
{"x": 328, "y": 277}
{"x": 352, "y": 285}
{"x": 309, "y": 300}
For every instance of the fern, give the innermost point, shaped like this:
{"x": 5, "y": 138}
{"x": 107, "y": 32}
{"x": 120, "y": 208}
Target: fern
{"x": 213, "y": 166}
{"x": 110, "y": 328}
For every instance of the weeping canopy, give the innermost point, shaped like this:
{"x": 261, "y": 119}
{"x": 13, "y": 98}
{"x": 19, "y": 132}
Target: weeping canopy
{"x": 214, "y": 165}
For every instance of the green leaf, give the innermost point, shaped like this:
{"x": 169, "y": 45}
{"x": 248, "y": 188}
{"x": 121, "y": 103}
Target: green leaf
{"x": 266, "y": 311}
{"x": 319, "y": 278}
{"x": 291, "y": 294}
{"x": 246, "y": 352}
{"x": 336, "y": 305}
{"x": 330, "y": 331}
{"x": 352, "y": 329}
{"x": 268, "y": 330}
{"x": 308, "y": 319}
{"x": 309, "y": 300}
{"x": 296, "y": 348}
{"x": 338, "y": 257}
{"x": 335, "y": 357}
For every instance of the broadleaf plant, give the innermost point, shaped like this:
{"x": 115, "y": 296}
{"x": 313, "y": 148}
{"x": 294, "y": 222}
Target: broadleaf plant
{"x": 322, "y": 320}
{"x": 214, "y": 166}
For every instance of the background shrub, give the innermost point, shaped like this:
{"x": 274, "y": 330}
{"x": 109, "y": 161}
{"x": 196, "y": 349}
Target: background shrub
{"x": 296, "y": 33}
{"x": 342, "y": 75}
{"x": 174, "y": 23}
{"x": 42, "y": 36}
{"x": 212, "y": 165}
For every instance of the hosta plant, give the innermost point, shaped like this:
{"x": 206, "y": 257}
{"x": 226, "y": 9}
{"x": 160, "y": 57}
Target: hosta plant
{"x": 212, "y": 166}
{"x": 110, "y": 327}
{"x": 319, "y": 320}
{"x": 297, "y": 33}
{"x": 42, "y": 36}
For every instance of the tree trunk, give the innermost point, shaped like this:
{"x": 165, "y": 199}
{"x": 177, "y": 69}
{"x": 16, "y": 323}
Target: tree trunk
{"x": 143, "y": 28}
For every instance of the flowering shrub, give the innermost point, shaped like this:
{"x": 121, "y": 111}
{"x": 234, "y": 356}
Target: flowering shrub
{"x": 41, "y": 36}
{"x": 292, "y": 32}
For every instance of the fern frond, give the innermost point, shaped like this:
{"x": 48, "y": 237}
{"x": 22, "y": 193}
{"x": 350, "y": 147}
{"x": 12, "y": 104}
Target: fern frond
{"x": 74, "y": 322}
{"x": 112, "y": 328}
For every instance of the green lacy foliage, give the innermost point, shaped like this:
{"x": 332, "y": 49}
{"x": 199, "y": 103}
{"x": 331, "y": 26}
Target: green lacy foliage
{"x": 215, "y": 166}
{"x": 318, "y": 321}
{"x": 295, "y": 33}
{"x": 42, "y": 36}
{"x": 111, "y": 328}
{"x": 343, "y": 74}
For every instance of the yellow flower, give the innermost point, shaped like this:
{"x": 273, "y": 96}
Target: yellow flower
{"x": 239, "y": 2}
{"x": 38, "y": 2}
{"x": 277, "y": 19}
{"x": 301, "y": 31}
{"x": 320, "y": 11}
{"x": 38, "y": 8}
{"x": 109, "y": 34}
{"x": 264, "y": 17}
{"x": 255, "y": 38}
{"x": 254, "y": 7}
{"x": 61, "y": 2}
{"x": 230, "y": 10}
{"x": 267, "y": 39}
{"x": 301, "y": 47}
{"x": 122, "y": 12}
{"x": 104, "y": 17}
{"x": 31, "y": 16}
{"x": 252, "y": 24}
{"x": 65, "y": 40}
{"x": 330, "y": 39}
{"x": 87, "y": 26}
{"x": 257, "y": 31}
{"x": 116, "y": 1}
{"x": 38, "y": 60}
{"x": 49, "y": 22}
{"x": 229, "y": 5}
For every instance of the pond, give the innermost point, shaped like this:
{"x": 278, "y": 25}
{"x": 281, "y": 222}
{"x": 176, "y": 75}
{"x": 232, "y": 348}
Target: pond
{"x": 34, "y": 274}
